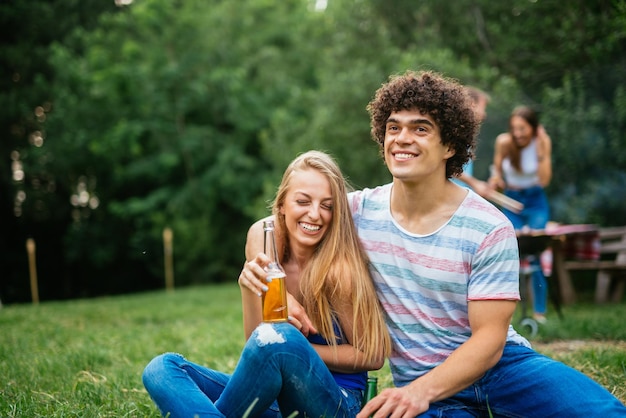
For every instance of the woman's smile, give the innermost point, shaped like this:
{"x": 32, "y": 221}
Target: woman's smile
{"x": 310, "y": 227}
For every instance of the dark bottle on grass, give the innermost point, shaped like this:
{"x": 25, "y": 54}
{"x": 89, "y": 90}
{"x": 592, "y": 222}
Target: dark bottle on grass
{"x": 371, "y": 390}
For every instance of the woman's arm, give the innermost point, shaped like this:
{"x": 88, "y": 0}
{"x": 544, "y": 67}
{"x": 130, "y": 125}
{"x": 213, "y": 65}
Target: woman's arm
{"x": 346, "y": 358}
{"x": 499, "y": 152}
{"x": 544, "y": 157}
{"x": 251, "y": 279}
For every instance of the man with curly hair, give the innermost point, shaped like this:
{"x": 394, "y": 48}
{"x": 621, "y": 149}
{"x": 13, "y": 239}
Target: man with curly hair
{"x": 445, "y": 264}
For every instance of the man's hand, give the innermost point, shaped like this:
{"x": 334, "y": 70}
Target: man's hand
{"x": 396, "y": 403}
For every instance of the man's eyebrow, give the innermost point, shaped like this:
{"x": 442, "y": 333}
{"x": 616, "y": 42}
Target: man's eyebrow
{"x": 420, "y": 121}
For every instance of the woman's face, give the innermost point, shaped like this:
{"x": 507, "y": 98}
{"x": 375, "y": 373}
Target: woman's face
{"x": 308, "y": 208}
{"x": 521, "y": 130}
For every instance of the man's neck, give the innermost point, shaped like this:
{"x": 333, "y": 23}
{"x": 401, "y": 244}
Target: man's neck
{"x": 423, "y": 208}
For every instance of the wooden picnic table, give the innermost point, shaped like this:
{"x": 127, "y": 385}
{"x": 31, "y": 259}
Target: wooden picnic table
{"x": 557, "y": 238}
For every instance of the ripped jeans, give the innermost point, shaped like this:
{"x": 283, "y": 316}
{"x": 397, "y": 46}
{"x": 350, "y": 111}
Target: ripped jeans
{"x": 278, "y": 374}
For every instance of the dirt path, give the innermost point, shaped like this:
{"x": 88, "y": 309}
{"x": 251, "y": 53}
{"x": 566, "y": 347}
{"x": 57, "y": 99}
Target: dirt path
{"x": 569, "y": 346}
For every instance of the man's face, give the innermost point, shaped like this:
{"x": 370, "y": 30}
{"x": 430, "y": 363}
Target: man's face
{"x": 480, "y": 108}
{"x": 413, "y": 147}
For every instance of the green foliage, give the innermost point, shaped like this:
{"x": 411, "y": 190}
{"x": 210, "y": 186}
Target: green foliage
{"x": 36, "y": 205}
{"x": 181, "y": 95}
{"x": 586, "y": 133}
{"x": 185, "y": 114}
{"x": 566, "y": 61}
{"x": 331, "y": 115}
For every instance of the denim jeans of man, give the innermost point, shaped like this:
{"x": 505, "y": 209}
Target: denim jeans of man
{"x": 535, "y": 215}
{"x": 526, "y": 384}
{"x": 278, "y": 373}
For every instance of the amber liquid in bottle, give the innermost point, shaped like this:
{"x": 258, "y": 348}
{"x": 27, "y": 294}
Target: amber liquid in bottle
{"x": 274, "y": 300}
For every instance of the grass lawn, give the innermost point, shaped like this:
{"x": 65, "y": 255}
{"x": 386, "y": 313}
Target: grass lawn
{"x": 84, "y": 358}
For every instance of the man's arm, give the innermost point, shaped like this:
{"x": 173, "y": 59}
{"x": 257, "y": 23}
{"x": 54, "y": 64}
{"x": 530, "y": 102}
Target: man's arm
{"x": 479, "y": 186}
{"x": 489, "y": 321}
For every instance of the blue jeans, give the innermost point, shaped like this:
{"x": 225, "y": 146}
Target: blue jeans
{"x": 278, "y": 373}
{"x": 535, "y": 215}
{"x": 525, "y": 384}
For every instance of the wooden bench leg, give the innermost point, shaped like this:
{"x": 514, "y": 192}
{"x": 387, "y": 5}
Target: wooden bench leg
{"x": 568, "y": 294}
{"x": 603, "y": 285}
{"x": 618, "y": 292}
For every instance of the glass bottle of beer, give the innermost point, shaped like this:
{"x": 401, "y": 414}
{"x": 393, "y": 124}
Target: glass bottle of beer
{"x": 371, "y": 390}
{"x": 274, "y": 300}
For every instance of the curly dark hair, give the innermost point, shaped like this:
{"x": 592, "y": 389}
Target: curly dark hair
{"x": 444, "y": 99}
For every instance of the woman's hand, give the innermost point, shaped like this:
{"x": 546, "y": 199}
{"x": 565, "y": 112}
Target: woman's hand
{"x": 544, "y": 156}
{"x": 253, "y": 275}
{"x": 298, "y": 317}
{"x": 253, "y": 278}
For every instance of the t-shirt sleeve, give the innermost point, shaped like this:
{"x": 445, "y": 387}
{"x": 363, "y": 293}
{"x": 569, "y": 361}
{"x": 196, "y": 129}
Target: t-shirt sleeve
{"x": 495, "y": 268}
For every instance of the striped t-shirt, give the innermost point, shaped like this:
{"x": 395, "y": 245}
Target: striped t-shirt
{"x": 424, "y": 282}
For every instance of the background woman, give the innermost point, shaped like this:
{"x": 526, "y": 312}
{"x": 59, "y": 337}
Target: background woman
{"x": 522, "y": 167}
{"x": 318, "y": 368}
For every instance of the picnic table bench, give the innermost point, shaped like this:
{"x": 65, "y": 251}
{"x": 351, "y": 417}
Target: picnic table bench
{"x": 603, "y": 250}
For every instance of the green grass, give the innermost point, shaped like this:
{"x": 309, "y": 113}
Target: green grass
{"x": 590, "y": 338}
{"x": 84, "y": 358}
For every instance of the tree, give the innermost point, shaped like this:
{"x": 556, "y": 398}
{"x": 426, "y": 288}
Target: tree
{"x": 165, "y": 103}
{"x": 126, "y": 120}
{"x": 30, "y": 198}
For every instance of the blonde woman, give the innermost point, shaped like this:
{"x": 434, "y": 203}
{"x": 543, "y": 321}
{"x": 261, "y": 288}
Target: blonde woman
{"x": 317, "y": 368}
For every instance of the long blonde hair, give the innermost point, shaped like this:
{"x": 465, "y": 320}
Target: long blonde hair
{"x": 338, "y": 256}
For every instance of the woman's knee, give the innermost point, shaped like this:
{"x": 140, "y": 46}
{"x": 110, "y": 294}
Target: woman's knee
{"x": 272, "y": 336}
{"x": 158, "y": 367}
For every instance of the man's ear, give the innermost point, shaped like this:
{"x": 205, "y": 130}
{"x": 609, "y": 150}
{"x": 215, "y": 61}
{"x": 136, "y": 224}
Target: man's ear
{"x": 450, "y": 152}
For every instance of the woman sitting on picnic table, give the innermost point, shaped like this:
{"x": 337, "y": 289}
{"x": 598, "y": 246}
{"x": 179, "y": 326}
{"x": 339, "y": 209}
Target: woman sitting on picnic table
{"x": 315, "y": 369}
